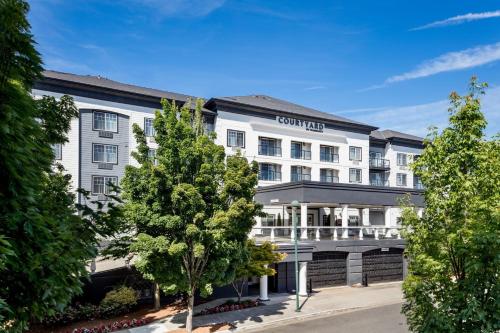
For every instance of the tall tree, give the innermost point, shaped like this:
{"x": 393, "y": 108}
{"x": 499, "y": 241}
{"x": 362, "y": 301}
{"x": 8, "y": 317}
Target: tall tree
{"x": 453, "y": 250}
{"x": 190, "y": 207}
{"x": 44, "y": 243}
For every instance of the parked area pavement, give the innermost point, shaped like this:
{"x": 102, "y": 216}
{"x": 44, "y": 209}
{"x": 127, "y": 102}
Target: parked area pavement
{"x": 280, "y": 309}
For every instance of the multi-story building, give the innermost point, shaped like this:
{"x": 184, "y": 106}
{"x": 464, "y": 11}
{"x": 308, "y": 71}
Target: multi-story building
{"x": 347, "y": 176}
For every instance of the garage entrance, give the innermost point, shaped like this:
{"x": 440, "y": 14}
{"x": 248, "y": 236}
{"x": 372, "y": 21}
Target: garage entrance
{"x": 383, "y": 265}
{"x": 327, "y": 269}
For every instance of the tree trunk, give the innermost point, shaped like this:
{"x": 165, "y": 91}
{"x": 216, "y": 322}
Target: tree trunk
{"x": 189, "y": 319}
{"x": 156, "y": 288}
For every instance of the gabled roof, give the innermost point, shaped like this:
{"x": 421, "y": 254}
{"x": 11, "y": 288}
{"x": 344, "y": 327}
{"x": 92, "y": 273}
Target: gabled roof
{"x": 272, "y": 103}
{"x": 390, "y": 134}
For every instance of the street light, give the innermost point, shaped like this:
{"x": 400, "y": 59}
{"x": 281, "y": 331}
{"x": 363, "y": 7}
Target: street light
{"x": 295, "y": 205}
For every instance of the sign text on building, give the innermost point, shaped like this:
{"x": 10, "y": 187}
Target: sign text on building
{"x": 308, "y": 125}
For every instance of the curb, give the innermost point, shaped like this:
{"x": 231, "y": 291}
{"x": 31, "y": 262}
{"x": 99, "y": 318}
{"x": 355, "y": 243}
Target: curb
{"x": 305, "y": 316}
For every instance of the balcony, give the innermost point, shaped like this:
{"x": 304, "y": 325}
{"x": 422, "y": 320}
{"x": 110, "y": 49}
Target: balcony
{"x": 329, "y": 179}
{"x": 269, "y": 150}
{"x": 327, "y": 157}
{"x": 301, "y": 154}
{"x": 270, "y": 175}
{"x": 379, "y": 163}
{"x": 286, "y": 234}
{"x": 379, "y": 182}
{"x": 297, "y": 177}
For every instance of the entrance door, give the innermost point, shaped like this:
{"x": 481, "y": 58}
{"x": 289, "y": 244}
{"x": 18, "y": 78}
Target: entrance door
{"x": 383, "y": 265}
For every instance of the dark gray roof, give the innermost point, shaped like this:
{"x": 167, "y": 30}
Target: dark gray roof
{"x": 101, "y": 82}
{"x": 390, "y": 134}
{"x": 267, "y": 102}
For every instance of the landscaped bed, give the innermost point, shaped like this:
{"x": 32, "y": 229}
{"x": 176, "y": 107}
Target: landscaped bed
{"x": 230, "y": 305}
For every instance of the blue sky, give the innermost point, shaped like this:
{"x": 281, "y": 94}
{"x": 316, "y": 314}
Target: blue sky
{"x": 387, "y": 63}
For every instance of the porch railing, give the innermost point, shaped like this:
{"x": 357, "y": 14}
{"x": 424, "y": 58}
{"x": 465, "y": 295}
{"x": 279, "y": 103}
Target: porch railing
{"x": 320, "y": 233}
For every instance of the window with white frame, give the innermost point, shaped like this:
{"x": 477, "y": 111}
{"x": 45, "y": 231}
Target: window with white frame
{"x": 401, "y": 179}
{"x": 402, "y": 159}
{"x": 329, "y": 175}
{"x": 235, "y": 138}
{"x": 354, "y": 153}
{"x": 102, "y": 184}
{"x": 149, "y": 130}
{"x": 105, "y": 121}
{"x": 269, "y": 171}
{"x": 354, "y": 175}
{"x": 57, "y": 149}
{"x": 152, "y": 156}
{"x": 105, "y": 153}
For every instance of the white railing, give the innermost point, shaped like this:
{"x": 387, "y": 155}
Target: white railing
{"x": 319, "y": 233}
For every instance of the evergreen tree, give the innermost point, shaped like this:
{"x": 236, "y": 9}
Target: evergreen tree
{"x": 454, "y": 249}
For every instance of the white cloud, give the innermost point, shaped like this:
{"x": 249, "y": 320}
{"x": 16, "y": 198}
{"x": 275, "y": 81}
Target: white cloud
{"x": 190, "y": 8}
{"x": 459, "y": 20}
{"x": 314, "y": 88}
{"x": 452, "y": 61}
{"x": 416, "y": 119}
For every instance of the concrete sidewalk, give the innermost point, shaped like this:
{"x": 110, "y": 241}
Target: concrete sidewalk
{"x": 281, "y": 308}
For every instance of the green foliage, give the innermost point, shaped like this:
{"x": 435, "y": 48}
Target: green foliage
{"x": 123, "y": 296}
{"x": 191, "y": 211}
{"x": 255, "y": 263}
{"x": 454, "y": 249}
{"x": 45, "y": 239}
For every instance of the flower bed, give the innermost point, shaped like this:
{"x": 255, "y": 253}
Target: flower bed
{"x": 116, "y": 326}
{"x": 230, "y": 306}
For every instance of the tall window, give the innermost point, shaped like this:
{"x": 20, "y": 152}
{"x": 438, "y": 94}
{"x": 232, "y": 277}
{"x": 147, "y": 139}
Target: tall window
{"x": 57, "y": 149}
{"x": 402, "y": 159}
{"x": 148, "y": 127}
{"x": 269, "y": 171}
{"x": 105, "y": 121}
{"x": 355, "y": 153}
{"x": 300, "y": 150}
{"x": 401, "y": 179}
{"x": 235, "y": 138}
{"x": 329, "y": 175}
{"x": 299, "y": 173}
{"x": 329, "y": 154}
{"x": 101, "y": 184}
{"x": 105, "y": 153}
{"x": 354, "y": 175}
{"x": 152, "y": 156}
{"x": 269, "y": 147}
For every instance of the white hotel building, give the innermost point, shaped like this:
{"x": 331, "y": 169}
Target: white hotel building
{"x": 347, "y": 176}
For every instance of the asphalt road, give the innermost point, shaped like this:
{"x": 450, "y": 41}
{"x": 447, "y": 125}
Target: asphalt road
{"x": 382, "y": 319}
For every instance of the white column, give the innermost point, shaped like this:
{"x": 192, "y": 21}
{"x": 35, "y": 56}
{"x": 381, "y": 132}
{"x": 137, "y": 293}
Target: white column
{"x": 388, "y": 220}
{"x": 303, "y": 221}
{"x": 366, "y": 217}
{"x": 303, "y": 279}
{"x": 263, "y": 288}
{"x": 345, "y": 220}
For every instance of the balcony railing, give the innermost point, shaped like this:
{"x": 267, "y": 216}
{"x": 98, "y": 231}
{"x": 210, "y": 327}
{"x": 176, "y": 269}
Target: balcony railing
{"x": 329, "y": 179}
{"x": 379, "y": 163}
{"x": 379, "y": 182}
{"x": 269, "y": 150}
{"x": 327, "y": 157}
{"x": 270, "y": 175}
{"x": 297, "y": 177}
{"x": 322, "y": 233}
{"x": 301, "y": 154}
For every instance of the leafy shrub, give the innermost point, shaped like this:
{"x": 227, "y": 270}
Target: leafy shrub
{"x": 124, "y": 296}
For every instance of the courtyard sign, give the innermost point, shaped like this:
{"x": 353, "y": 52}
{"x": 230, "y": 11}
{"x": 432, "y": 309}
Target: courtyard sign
{"x": 305, "y": 124}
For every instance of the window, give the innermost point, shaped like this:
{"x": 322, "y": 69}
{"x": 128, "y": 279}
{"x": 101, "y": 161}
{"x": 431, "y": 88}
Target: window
{"x": 152, "y": 156}
{"x": 355, "y": 153}
{"x": 208, "y": 126}
{"x": 401, "y": 179}
{"x": 268, "y": 220}
{"x": 402, "y": 160}
{"x": 148, "y": 127}
{"x": 354, "y": 175}
{"x": 105, "y": 121}
{"x": 269, "y": 171}
{"x": 300, "y": 150}
{"x": 379, "y": 179}
{"x": 326, "y": 220}
{"x": 329, "y": 175}
{"x": 329, "y": 154}
{"x": 269, "y": 147}
{"x": 101, "y": 184}
{"x": 299, "y": 173}
{"x": 105, "y": 153}
{"x": 417, "y": 183}
{"x": 57, "y": 149}
{"x": 235, "y": 138}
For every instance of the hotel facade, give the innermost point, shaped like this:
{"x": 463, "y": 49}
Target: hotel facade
{"x": 348, "y": 177}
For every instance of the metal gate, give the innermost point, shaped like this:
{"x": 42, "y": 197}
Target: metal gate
{"x": 327, "y": 269}
{"x": 383, "y": 265}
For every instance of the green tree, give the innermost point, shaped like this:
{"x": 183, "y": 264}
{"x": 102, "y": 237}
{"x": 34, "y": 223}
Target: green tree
{"x": 255, "y": 263}
{"x": 44, "y": 242}
{"x": 191, "y": 208}
{"x": 453, "y": 250}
